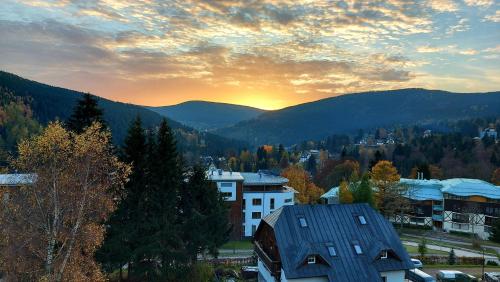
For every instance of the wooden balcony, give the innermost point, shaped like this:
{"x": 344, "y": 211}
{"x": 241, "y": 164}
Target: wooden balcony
{"x": 273, "y": 266}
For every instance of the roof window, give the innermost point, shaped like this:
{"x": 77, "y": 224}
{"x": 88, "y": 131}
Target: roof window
{"x": 303, "y": 222}
{"x": 358, "y": 250}
{"x": 311, "y": 259}
{"x": 362, "y": 219}
{"x": 331, "y": 251}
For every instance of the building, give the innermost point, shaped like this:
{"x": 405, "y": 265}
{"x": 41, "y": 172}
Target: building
{"x": 329, "y": 243}
{"x": 488, "y": 132}
{"x": 459, "y": 204}
{"x": 251, "y": 196}
{"x": 331, "y": 197}
{"x": 8, "y": 181}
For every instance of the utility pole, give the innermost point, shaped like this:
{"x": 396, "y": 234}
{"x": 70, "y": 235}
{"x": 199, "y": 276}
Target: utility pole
{"x": 482, "y": 276}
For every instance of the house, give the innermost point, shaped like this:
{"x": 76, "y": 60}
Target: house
{"x": 7, "y": 181}
{"x": 329, "y": 243}
{"x": 458, "y": 204}
{"x": 332, "y": 196}
{"x": 251, "y": 197}
{"x": 488, "y": 132}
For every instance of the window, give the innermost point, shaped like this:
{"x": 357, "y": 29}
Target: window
{"x": 257, "y": 202}
{"x": 243, "y": 229}
{"x": 254, "y": 228}
{"x": 311, "y": 259}
{"x": 331, "y": 251}
{"x": 358, "y": 250}
{"x": 362, "y": 219}
{"x": 243, "y": 216}
{"x": 288, "y": 200}
{"x": 256, "y": 215}
{"x": 244, "y": 204}
{"x": 383, "y": 254}
{"x": 272, "y": 203}
{"x": 226, "y": 194}
{"x": 226, "y": 184}
{"x": 384, "y": 279}
{"x": 303, "y": 222}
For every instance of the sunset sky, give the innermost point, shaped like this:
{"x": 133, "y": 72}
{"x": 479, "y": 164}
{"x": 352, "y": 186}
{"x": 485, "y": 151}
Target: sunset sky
{"x": 267, "y": 54}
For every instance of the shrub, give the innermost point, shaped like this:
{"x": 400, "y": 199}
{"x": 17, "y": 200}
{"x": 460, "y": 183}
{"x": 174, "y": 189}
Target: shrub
{"x": 452, "y": 258}
{"x": 492, "y": 263}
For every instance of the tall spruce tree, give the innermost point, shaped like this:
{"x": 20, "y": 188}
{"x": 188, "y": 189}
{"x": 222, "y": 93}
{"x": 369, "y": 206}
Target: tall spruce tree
{"x": 84, "y": 114}
{"x": 204, "y": 214}
{"x": 118, "y": 247}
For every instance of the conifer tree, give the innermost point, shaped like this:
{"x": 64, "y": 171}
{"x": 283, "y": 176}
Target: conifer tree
{"x": 118, "y": 246}
{"x": 363, "y": 192}
{"x": 204, "y": 216}
{"x": 495, "y": 232}
{"x": 84, "y": 114}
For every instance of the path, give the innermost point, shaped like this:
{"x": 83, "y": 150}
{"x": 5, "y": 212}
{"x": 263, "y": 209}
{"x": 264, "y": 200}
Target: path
{"x": 458, "y": 252}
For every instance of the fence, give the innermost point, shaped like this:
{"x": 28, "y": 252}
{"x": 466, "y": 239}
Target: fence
{"x": 458, "y": 260}
{"x": 232, "y": 261}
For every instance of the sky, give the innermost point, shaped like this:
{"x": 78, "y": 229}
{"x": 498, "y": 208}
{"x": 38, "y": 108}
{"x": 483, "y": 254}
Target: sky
{"x": 266, "y": 54}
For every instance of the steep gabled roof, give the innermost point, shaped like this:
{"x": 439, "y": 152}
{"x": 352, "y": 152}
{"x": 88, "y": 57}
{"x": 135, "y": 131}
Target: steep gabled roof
{"x": 337, "y": 226}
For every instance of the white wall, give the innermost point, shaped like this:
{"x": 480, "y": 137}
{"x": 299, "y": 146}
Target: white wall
{"x": 231, "y": 189}
{"x": 394, "y": 276}
{"x": 264, "y": 208}
{"x": 264, "y": 273}
{"x": 478, "y": 227}
{"x": 311, "y": 279}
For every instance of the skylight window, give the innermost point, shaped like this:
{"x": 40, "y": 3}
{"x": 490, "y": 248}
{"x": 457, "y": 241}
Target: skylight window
{"x": 311, "y": 259}
{"x": 358, "y": 250}
{"x": 331, "y": 251}
{"x": 362, "y": 219}
{"x": 303, "y": 222}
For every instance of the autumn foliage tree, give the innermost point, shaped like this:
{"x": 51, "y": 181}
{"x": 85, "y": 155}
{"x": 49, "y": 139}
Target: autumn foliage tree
{"x": 345, "y": 194}
{"x": 385, "y": 177}
{"x": 54, "y": 226}
{"x": 495, "y": 178}
{"x": 301, "y": 181}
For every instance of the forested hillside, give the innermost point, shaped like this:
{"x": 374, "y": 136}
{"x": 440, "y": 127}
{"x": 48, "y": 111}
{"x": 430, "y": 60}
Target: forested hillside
{"x": 49, "y": 103}
{"x": 349, "y": 113}
{"x": 204, "y": 115}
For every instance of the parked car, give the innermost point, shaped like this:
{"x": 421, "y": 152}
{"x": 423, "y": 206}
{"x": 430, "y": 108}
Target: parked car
{"x": 417, "y": 275}
{"x": 454, "y": 276}
{"x": 492, "y": 277}
{"x": 249, "y": 272}
{"x": 417, "y": 263}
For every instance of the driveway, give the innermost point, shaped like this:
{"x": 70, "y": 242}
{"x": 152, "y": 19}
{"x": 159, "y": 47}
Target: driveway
{"x": 458, "y": 252}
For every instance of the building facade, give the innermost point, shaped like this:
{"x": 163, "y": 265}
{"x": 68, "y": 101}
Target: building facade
{"x": 251, "y": 196}
{"x": 329, "y": 243}
{"x": 459, "y": 204}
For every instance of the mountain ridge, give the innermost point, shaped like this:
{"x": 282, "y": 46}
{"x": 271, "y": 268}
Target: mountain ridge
{"x": 364, "y": 110}
{"x": 207, "y": 115}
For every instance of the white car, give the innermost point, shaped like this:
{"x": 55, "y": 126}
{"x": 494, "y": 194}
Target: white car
{"x": 417, "y": 263}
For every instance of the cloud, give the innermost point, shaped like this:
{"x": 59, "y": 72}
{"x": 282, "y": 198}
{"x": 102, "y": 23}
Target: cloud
{"x": 482, "y": 3}
{"x": 218, "y": 46}
{"x": 493, "y": 17}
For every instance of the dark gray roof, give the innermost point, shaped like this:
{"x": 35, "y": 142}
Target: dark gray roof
{"x": 339, "y": 226}
{"x": 262, "y": 178}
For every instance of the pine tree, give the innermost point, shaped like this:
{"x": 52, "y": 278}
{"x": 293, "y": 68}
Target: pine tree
{"x": 118, "y": 246}
{"x": 84, "y": 114}
{"x": 422, "y": 247}
{"x": 495, "y": 232}
{"x": 204, "y": 216}
{"x": 452, "y": 258}
{"x": 363, "y": 192}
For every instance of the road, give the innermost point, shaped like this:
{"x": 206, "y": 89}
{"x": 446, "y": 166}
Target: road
{"x": 475, "y": 271}
{"x": 458, "y": 252}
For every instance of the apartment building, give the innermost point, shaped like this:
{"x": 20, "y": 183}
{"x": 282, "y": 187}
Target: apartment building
{"x": 251, "y": 196}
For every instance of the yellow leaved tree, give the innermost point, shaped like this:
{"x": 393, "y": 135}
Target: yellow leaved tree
{"x": 54, "y": 226}
{"x": 300, "y": 180}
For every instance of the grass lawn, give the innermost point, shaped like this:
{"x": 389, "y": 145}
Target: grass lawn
{"x": 414, "y": 250}
{"x": 237, "y": 245}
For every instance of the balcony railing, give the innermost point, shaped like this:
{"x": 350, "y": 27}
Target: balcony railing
{"x": 273, "y": 266}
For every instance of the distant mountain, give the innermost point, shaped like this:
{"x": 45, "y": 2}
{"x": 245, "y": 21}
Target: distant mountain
{"x": 204, "y": 115}
{"x": 349, "y": 113}
{"x": 49, "y": 103}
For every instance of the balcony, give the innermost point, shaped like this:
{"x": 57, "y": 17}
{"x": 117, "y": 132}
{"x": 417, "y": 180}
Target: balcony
{"x": 437, "y": 217}
{"x": 273, "y": 266}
